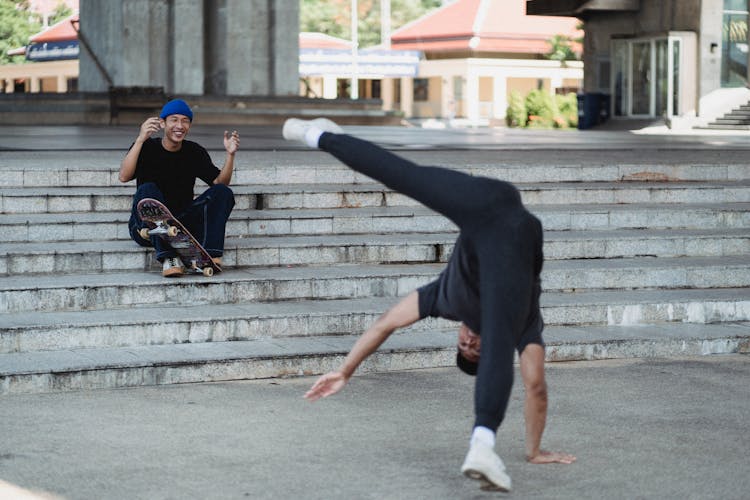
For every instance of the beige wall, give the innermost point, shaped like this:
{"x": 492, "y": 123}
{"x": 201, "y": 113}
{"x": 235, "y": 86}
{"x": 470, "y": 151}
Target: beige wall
{"x": 49, "y": 76}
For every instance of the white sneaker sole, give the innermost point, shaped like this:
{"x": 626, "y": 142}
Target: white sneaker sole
{"x": 486, "y": 483}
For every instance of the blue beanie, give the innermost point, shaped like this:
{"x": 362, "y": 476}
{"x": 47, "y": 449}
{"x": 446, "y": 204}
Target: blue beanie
{"x": 176, "y": 107}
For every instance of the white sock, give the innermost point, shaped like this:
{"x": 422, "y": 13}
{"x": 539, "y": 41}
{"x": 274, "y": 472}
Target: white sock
{"x": 483, "y": 435}
{"x": 312, "y": 136}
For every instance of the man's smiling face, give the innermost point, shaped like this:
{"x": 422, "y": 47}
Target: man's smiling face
{"x": 176, "y": 128}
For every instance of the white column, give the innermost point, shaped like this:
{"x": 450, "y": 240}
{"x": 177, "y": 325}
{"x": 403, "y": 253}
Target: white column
{"x": 329, "y": 87}
{"x": 472, "y": 98}
{"x": 555, "y": 83}
{"x": 35, "y": 84}
{"x": 386, "y": 93}
{"x": 407, "y": 96}
{"x": 62, "y": 84}
{"x": 499, "y": 96}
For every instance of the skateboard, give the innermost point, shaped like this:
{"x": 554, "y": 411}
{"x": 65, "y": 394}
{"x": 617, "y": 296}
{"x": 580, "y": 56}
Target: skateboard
{"x": 163, "y": 224}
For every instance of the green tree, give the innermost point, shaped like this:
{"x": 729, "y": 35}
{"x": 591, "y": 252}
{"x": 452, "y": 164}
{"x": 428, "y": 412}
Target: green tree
{"x": 333, "y": 17}
{"x": 61, "y": 12}
{"x": 561, "y": 49}
{"x": 17, "y": 25}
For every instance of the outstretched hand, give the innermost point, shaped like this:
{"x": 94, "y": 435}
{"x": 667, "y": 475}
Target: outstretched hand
{"x": 231, "y": 142}
{"x": 551, "y": 457}
{"x": 326, "y": 385}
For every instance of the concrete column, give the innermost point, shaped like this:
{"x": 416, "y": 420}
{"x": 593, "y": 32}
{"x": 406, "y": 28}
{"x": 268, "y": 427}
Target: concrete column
{"x": 62, "y": 84}
{"x": 284, "y": 49}
{"x": 330, "y": 87}
{"x": 447, "y": 101}
{"x": 219, "y": 47}
{"x": 187, "y": 45}
{"x": 472, "y": 98}
{"x": 407, "y": 96}
{"x": 499, "y": 97}
{"x": 386, "y": 93}
{"x": 35, "y": 84}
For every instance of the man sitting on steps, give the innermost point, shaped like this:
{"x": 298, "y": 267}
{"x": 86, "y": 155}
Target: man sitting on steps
{"x": 166, "y": 170}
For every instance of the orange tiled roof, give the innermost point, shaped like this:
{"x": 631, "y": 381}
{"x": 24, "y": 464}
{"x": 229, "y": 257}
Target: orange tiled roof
{"x": 58, "y": 32}
{"x": 483, "y": 26}
{"x": 309, "y": 40}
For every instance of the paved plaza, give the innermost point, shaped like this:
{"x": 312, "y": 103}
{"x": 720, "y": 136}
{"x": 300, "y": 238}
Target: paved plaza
{"x": 665, "y": 428}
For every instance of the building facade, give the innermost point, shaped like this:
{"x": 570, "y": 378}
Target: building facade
{"x": 476, "y": 52}
{"x": 682, "y": 60}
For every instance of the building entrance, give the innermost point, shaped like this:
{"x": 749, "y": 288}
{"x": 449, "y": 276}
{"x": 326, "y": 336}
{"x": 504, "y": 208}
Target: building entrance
{"x": 650, "y": 78}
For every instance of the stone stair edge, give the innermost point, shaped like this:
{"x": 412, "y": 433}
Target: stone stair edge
{"x": 296, "y": 240}
{"x": 88, "y": 368}
{"x": 200, "y": 310}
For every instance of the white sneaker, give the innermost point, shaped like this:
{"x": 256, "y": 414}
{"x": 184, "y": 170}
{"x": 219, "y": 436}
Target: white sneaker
{"x": 483, "y": 464}
{"x": 296, "y": 129}
{"x": 172, "y": 267}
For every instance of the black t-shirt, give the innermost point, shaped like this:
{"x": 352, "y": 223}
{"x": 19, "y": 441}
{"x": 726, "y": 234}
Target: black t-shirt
{"x": 175, "y": 172}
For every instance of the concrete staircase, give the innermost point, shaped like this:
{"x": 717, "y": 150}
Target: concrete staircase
{"x": 642, "y": 260}
{"x": 737, "y": 119}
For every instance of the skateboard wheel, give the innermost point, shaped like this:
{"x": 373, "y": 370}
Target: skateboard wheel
{"x": 172, "y": 231}
{"x": 208, "y": 271}
{"x": 144, "y": 233}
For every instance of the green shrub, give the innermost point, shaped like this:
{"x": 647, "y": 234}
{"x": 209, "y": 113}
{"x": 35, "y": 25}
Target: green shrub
{"x": 568, "y": 106}
{"x": 516, "y": 115}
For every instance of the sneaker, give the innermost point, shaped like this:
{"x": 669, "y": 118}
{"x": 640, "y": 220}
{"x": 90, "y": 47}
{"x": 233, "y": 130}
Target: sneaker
{"x": 296, "y": 129}
{"x": 483, "y": 464}
{"x": 172, "y": 267}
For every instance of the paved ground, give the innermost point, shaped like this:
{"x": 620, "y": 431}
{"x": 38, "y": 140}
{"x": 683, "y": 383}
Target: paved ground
{"x": 668, "y": 429}
{"x": 268, "y": 138}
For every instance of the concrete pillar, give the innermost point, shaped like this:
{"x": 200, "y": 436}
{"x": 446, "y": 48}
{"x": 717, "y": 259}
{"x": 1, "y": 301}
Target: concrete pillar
{"x": 62, "y": 84}
{"x": 447, "y": 101}
{"x": 35, "y": 84}
{"x": 284, "y": 48}
{"x": 386, "y": 93}
{"x": 472, "y": 98}
{"x": 219, "y": 47}
{"x": 187, "y": 48}
{"x": 330, "y": 87}
{"x": 407, "y": 96}
{"x": 499, "y": 97}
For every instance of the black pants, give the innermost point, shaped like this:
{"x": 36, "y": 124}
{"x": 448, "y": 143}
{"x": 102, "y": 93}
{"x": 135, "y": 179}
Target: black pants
{"x": 504, "y": 236}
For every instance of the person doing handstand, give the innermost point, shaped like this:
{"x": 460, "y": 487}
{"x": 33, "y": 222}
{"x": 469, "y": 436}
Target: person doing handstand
{"x": 491, "y": 284}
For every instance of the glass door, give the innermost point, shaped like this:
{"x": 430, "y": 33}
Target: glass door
{"x": 642, "y": 71}
{"x": 646, "y": 78}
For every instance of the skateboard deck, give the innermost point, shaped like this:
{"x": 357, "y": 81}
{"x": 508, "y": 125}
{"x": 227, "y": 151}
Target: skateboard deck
{"x": 163, "y": 224}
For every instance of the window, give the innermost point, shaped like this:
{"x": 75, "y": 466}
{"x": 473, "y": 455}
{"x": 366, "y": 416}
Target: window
{"x": 734, "y": 46}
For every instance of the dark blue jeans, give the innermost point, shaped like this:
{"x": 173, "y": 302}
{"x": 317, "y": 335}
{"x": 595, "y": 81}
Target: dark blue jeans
{"x": 205, "y": 218}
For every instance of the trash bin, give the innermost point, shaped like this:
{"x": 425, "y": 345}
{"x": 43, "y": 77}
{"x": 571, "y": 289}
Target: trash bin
{"x": 588, "y": 110}
{"x": 593, "y": 109}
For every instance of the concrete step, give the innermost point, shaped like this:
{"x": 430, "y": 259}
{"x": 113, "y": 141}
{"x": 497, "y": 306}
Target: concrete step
{"x": 257, "y": 251}
{"x": 85, "y": 369}
{"x": 100, "y": 169}
{"x": 162, "y": 322}
{"x": 94, "y": 226}
{"x": 117, "y": 290}
{"x": 315, "y": 196}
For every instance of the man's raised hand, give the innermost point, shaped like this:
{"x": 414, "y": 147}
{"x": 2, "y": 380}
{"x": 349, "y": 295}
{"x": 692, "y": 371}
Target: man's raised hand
{"x": 231, "y": 142}
{"x": 149, "y": 127}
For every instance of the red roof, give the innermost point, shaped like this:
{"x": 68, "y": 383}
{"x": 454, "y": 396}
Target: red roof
{"x": 483, "y": 26}
{"x": 59, "y": 32}
{"x": 322, "y": 41}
